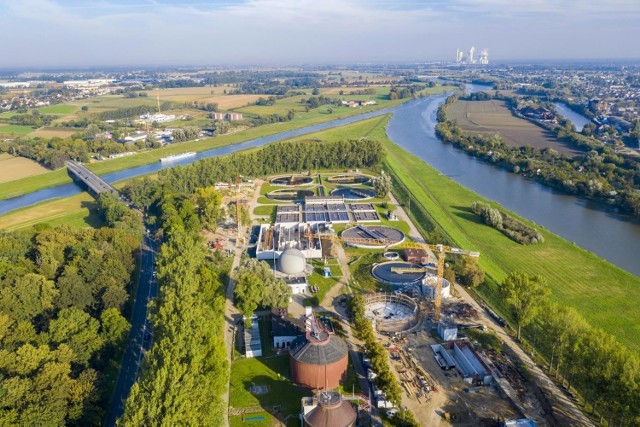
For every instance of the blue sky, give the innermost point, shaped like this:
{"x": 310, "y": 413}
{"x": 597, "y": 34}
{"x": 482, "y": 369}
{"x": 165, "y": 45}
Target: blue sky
{"x": 79, "y": 33}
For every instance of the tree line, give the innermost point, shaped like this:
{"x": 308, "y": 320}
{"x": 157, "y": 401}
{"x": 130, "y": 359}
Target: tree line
{"x": 63, "y": 292}
{"x": 386, "y": 380}
{"x": 600, "y": 174}
{"x": 186, "y": 371}
{"x": 272, "y": 159}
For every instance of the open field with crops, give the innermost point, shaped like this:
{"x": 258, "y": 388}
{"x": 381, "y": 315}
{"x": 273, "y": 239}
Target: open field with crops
{"x": 12, "y": 168}
{"x": 494, "y": 117}
{"x": 52, "y": 132}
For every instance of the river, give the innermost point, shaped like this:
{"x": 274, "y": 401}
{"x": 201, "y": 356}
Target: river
{"x": 600, "y": 230}
{"x": 612, "y": 236}
{"x": 578, "y": 120}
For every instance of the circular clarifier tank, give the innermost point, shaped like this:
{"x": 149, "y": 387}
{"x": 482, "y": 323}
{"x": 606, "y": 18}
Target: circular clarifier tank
{"x": 349, "y": 179}
{"x": 289, "y": 194}
{"x": 354, "y": 193}
{"x": 398, "y": 273}
{"x": 291, "y": 180}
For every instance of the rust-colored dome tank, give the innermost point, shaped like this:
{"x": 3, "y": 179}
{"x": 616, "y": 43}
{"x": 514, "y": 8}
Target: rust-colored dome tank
{"x": 318, "y": 361}
{"x": 332, "y": 411}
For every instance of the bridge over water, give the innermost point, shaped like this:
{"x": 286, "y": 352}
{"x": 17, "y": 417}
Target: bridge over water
{"x": 93, "y": 182}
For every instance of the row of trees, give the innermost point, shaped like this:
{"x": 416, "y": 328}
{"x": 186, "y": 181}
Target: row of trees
{"x": 62, "y": 292}
{"x": 186, "y": 371}
{"x": 604, "y": 371}
{"x": 275, "y": 158}
{"x": 600, "y": 174}
{"x": 511, "y": 227}
{"x": 386, "y": 380}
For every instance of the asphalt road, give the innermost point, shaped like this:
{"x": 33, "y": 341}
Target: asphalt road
{"x": 140, "y": 327}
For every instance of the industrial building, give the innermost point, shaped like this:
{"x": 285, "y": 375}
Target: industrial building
{"x": 226, "y": 116}
{"x": 273, "y": 240}
{"x": 252, "y": 342}
{"x": 471, "y": 59}
{"x": 415, "y": 255}
{"x": 461, "y": 355}
{"x": 328, "y": 409}
{"x": 319, "y": 359}
{"x": 285, "y": 329}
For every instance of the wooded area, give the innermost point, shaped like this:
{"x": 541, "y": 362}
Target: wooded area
{"x": 63, "y": 292}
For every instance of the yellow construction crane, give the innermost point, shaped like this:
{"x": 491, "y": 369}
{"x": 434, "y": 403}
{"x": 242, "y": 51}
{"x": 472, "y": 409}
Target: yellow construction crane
{"x": 440, "y": 250}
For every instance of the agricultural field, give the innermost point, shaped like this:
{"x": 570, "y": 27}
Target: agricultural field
{"x": 494, "y": 117}
{"x": 59, "y": 110}
{"x": 51, "y": 132}
{"x": 30, "y": 184}
{"x": 577, "y": 277}
{"x": 12, "y": 168}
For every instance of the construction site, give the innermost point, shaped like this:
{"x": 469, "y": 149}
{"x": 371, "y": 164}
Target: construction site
{"x": 435, "y": 340}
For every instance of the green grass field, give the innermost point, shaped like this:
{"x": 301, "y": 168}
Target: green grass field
{"x": 6, "y": 129}
{"x": 59, "y": 110}
{"x": 77, "y": 211}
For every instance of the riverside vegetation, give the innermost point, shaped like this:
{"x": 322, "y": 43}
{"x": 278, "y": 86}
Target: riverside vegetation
{"x": 600, "y": 173}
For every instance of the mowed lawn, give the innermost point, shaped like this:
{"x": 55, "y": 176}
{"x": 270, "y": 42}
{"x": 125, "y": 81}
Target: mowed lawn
{"x": 12, "y": 168}
{"x": 604, "y": 294}
{"x": 494, "y": 117}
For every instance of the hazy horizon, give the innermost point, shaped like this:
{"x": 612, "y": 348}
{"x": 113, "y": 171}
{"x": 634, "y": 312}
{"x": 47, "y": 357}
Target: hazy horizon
{"x": 77, "y": 34}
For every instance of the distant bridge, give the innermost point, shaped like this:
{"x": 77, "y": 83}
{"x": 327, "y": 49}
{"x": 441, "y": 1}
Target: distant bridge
{"x": 93, "y": 182}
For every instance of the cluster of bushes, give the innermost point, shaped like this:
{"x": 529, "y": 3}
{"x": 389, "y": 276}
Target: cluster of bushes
{"x": 272, "y": 118}
{"x": 62, "y": 295}
{"x": 403, "y": 92}
{"x": 187, "y": 133}
{"x": 317, "y": 101}
{"x": 510, "y": 226}
{"x": 34, "y": 119}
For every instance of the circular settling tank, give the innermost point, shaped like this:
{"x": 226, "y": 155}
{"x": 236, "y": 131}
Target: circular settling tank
{"x": 289, "y": 194}
{"x": 391, "y": 256}
{"x": 389, "y": 235}
{"x": 291, "y": 180}
{"x": 391, "y": 312}
{"x": 397, "y": 273}
{"x": 349, "y": 179}
{"x": 354, "y": 193}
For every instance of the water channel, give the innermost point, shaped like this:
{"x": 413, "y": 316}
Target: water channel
{"x": 612, "y": 236}
{"x": 578, "y": 120}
